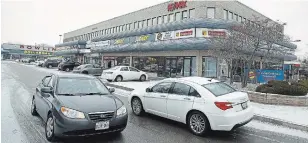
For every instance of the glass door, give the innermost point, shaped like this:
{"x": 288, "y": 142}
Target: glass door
{"x": 187, "y": 66}
{"x": 171, "y": 68}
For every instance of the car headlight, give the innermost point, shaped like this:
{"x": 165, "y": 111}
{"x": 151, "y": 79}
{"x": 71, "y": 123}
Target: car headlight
{"x": 121, "y": 111}
{"x": 70, "y": 113}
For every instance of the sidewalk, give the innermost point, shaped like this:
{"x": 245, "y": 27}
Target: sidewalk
{"x": 289, "y": 116}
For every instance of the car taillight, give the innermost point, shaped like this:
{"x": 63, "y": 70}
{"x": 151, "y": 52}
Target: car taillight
{"x": 223, "y": 105}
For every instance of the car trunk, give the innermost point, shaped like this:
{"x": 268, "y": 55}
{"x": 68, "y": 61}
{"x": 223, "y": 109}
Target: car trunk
{"x": 239, "y": 100}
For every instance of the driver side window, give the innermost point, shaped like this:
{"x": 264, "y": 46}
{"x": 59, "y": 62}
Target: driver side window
{"x": 162, "y": 87}
{"x": 46, "y": 81}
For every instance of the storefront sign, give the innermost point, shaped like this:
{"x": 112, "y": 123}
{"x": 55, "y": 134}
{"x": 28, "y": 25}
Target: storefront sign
{"x": 263, "y": 76}
{"x": 145, "y": 38}
{"x": 120, "y": 41}
{"x": 204, "y": 32}
{"x": 37, "y": 52}
{"x": 164, "y": 36}
{"x": 187, "y": 33}
{"x": 83, "y": 51}
{"x": 177, "y": 5}
{"x": 36, "y": 48}
{"x": 98, "y": 44}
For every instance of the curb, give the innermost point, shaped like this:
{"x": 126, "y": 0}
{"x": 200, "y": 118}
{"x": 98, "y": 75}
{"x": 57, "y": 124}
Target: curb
{"x": 280, "y": 122}
{"x": 257, "y": 117}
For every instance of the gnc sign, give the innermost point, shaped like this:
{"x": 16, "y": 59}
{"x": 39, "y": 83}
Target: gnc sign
{"x": 177, "y": 5}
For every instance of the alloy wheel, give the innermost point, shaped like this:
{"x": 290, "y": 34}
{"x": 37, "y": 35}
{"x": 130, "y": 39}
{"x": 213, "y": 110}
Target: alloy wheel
{"x": 197, "y": 123}
{"x": 67, "y": 69}
{"x": 137, "y": 108}
{"x": 49, "y": 127}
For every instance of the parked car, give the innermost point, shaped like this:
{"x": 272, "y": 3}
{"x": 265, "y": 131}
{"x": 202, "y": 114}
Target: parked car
{"x": 49, "y": 63}
{"x": 120, "y": 73}
{"x": 203, "y": 104}
{"x": 39, "y": 63}
{"x": 68, "y": 65}
{"x": 77, "y": 105}
{"x": 92, "y": 69}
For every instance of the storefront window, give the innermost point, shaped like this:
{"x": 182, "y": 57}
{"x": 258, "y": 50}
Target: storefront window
{"x": 178, "y": 16}
{"x": 171, "y": 17}
{"x": 209, "y": 67}
{"x": 160, "y": 20}
{"x": 122, "y": 61}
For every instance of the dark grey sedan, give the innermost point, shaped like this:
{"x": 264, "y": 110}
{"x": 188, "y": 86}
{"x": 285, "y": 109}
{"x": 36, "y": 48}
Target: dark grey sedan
{"x": 92, "y": 69}
{"x": 77, "y": 105}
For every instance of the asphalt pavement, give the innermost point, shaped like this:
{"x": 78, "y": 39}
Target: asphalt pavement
{"x": 18, "y": 125}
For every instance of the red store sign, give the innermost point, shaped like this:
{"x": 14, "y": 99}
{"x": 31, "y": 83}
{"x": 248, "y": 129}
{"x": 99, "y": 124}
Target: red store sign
{"x": 177, "y": 5}
{"x": 217, "y": 33}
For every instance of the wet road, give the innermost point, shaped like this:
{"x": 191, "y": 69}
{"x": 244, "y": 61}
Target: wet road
{"x": 20, "y": 82}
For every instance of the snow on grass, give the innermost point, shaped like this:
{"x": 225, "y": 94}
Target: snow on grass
{"x": 293, "y": 114}
{"x": 277, "y": 129}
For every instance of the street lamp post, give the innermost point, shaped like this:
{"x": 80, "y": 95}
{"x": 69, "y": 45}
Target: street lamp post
{"x": 60, "y": 38}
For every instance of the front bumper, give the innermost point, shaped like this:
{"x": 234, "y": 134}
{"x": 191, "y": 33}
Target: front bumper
{"x": 65, "y": 127}
{"x": 107, "y": 76}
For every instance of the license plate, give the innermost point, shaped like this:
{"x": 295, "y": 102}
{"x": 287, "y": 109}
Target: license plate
{"x": 102, "y": 125}
{"x": 244, "y": 105}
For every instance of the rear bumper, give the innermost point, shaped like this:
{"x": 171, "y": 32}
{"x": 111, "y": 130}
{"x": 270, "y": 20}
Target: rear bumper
{"x": 231, "y": 121}
{"x": 107, "y": 76}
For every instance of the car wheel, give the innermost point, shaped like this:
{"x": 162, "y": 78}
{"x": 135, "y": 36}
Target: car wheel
{"x": 198, "y": 123}
{"x": 49, "y": 128}
{"x": 67, "y": 69}
{"x": 118, "y": 78}
{"x": 137, "y": 106}
{"x": 50, "y": 66}
{"x": 33, "y": 108}
{"x": 142, "y": 78}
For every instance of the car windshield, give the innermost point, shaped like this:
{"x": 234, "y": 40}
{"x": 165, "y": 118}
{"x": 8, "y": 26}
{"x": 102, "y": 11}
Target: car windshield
{"x": 114, "y": 68}
{"x": 77, "y": 86}
{"x": 219, "y": 88}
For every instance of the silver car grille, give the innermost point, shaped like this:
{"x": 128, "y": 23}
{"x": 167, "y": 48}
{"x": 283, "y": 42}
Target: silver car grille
{"x": 101, "y": 116}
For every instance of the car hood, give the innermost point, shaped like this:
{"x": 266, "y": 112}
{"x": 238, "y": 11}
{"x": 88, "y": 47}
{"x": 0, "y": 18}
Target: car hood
{"x": 89, "y": 103}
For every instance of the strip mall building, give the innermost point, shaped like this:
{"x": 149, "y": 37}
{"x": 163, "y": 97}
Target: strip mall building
{"x": 169, "y": 39}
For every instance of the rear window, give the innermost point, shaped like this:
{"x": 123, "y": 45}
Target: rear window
{"x": 219, "y": 88}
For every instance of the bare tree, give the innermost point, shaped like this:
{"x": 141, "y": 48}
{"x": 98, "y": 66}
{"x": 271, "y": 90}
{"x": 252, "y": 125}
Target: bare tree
{"x": 247, "y": 41}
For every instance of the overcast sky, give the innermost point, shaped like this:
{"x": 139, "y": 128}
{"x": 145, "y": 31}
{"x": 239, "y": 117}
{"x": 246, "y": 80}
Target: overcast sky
{"x": 41, "y": 21}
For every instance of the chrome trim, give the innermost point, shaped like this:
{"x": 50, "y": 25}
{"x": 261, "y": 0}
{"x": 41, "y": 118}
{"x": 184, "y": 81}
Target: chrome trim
{"x": 101, "y": 112}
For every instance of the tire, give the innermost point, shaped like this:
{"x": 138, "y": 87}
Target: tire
{"x": 49, "y": 66}
{"x": 137, "y": 106}
{"x": 67, "y": 69}
{"x": 49, "y": 128}
{"x": 198, "y": 117}
{"x": 33, "y": 108}
{"x": 118, "y": 78}
{"x": 84, "y": 72}
{"x": 142, "y": 78}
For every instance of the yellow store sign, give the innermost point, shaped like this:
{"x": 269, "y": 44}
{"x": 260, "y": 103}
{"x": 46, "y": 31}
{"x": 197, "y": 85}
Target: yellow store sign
{"x": 37, "y": 52}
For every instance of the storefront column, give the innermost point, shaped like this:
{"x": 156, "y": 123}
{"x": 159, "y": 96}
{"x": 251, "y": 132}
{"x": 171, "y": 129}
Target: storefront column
{"x": 199, "y": 64}
{"x": 130, "y": 60}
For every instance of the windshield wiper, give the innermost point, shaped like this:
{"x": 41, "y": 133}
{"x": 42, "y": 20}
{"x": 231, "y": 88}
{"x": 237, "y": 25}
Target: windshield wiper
{"x": 95, "y": 93}
{"x": 67, "y": 94}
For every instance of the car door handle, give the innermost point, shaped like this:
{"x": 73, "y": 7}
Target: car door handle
{"x": 186, "y": 98}
{"x": 163, "y": 96}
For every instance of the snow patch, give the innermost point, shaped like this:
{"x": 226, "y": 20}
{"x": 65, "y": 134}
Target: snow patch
{"x": 293, "y": 114}
{"x": 277, "y": 129}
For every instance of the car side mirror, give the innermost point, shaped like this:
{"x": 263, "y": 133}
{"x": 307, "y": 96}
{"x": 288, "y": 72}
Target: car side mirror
{"x": 111, "y": 90}
{"x": 46, "y": 91}
{"x": 148, "y": 90}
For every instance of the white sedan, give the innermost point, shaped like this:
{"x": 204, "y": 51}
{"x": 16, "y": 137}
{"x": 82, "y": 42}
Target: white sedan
{"x": 120, "y": 73}
{"x": 201, "y": 103}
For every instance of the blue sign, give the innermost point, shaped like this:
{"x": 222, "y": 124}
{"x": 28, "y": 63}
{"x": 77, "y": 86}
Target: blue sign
{"x": 263, "y": 76}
